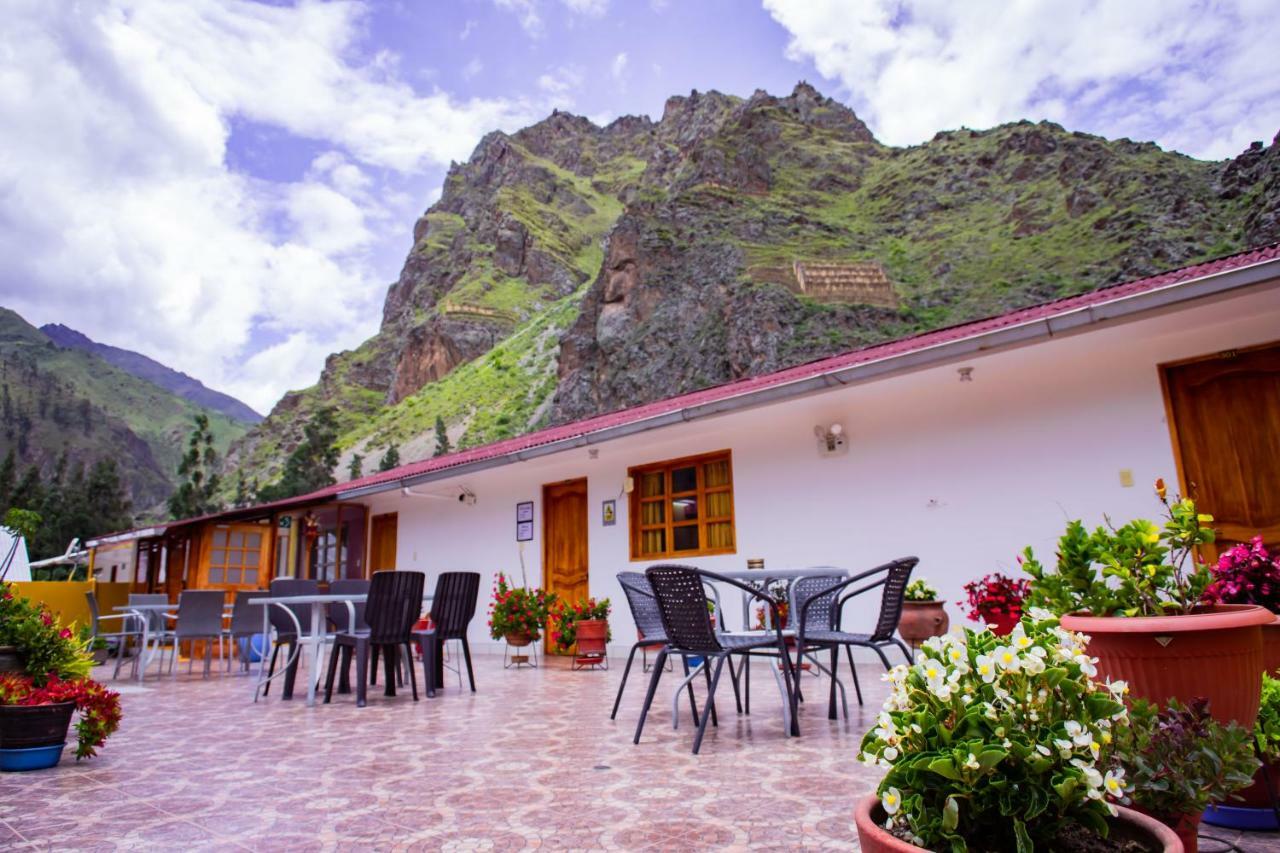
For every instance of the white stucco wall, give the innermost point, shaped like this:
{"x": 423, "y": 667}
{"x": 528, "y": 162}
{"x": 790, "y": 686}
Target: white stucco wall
{"x": 960, "y": 474}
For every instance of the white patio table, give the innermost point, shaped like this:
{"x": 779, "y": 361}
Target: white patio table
{"x": 763, "y": 577}
{"x": 142, "y": 612}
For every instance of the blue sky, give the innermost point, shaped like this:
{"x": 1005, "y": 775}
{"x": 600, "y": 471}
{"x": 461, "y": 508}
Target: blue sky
{"x": 229, "y": 186}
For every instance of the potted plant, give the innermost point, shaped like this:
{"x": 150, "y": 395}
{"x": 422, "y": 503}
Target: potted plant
{"x": 923, "y": 613}
{"x": 1136, "y": 590}
{"x": 996, "y": 600}
{"x": 36, "y": 705}
{"x": 1179, "y": 759}
{"x": 22, "y": 524}
{"x": 518, "y": 614}
{"x": 1000, "y": 743}
{"x": 1247, "y": 574}
{"x": 1254, "y": 810}
{"x": 585, "y": 624}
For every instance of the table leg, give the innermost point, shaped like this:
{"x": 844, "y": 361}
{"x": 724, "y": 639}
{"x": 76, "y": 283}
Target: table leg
{"x": 262, "y": 658}
{"x": 144, "y": 653}
{"x": 317, "y": 642}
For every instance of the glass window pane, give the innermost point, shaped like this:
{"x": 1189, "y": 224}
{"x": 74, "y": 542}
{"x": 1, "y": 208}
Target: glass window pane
{"x": 250, "y": 577}
{"x": 653, "y": 512}
{"x": 684, "y": 509}
{"x": 219, "y": 537}
{"x": 253, "y": 540}
{"x": 684, "y": 538}
{"x": 718, "y": 505}
{"x": 684, "y": 479}
{"x": 234, "y": 558}
{"x": 236, "y": 540}
{"x": 652, "y": 484}
{"x": 251, "y": 558}
{"x": 716, "y": 473}
{"x": 215, "y": 575}
{"x": 217, "y": 557}
{"x": 233, "y": 576}
{"x": 719, "y": 534}
{"x": 653, "y": 542}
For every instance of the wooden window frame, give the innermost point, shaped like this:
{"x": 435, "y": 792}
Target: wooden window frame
{"x": 244, "y": 549}
{"x": 701, "y": 491}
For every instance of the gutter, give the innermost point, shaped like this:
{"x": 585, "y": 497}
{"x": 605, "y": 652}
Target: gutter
{"x": 1234, "y": 282}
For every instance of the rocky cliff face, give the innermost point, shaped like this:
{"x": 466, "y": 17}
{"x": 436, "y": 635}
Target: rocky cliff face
{"x": 569, "y": 269}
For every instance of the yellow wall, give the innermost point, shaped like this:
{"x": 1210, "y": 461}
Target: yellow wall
{"x": 66, "y": 598}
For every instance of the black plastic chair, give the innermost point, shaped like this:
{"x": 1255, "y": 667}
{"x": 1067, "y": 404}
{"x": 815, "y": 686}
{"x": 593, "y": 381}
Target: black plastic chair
{"x": 130, "y": 628}
{"x": 682, "y": 605}
{"x": 339, "y": 615}
{"x": 818, "y": 605}
{"x": 286, "y": 629}
{"x": 453, "y": 606}
{"x": 644, "y": 612}
{"x": 393, "y": 605}
{"x": 199, "y": 618}
{"x": 246, "y": 623}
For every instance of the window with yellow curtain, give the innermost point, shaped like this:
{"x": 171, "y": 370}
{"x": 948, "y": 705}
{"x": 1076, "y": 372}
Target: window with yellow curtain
{"x": 683, "y": 507}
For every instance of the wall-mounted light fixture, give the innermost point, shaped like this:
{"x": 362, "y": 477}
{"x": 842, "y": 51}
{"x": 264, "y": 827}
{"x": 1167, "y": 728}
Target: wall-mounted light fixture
{"x": 966, "y": 374}
{"x": 831, "y": 440}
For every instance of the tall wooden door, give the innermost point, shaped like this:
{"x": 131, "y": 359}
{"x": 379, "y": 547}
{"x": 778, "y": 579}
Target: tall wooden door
{"x": 564, "y": 541}
{"x": 382, "y": 548}
{"x": 1225, "y": 419}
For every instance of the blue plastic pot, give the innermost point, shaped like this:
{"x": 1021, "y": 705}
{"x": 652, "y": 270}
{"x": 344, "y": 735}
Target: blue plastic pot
{"x": 31, "y": 758}
{"x": 1241, "y": 817}
{"x": 253, "y": 648}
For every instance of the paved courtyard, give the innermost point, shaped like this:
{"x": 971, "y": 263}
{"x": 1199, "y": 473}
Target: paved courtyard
{"x": 530, "y": 761}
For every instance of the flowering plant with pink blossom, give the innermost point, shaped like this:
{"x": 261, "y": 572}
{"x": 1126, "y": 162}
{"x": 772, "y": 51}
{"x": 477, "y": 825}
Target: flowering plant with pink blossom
{"x": 46, "y": 646}
{"x": 1246, "y": 574}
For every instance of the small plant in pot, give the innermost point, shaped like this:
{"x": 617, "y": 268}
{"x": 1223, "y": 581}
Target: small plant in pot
{"x": 37, "y": 704}
{"x": 1001, "y": 744}
{"x": 923, "y": 613}
{"x": 1136, "y": 590}
{"x": 1179, "y": 760}
{"x": 585, "y": 624}
{"x": 518, "y": 614}
{"x": 996, "y": 600}
{"x": 1254, "y": 810}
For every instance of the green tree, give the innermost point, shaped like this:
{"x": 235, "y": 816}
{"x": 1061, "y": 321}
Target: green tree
{"x": 197, "y": 493}
{"x": 355, "y": 468}
{"x": 242, "y": 491}
{"x": 310, "y": 465}
{"x": 29, "y": 492}
{"x": 442, "y": 438}
{"x": 390, "y": 459}
{"x": 8, "y": 479}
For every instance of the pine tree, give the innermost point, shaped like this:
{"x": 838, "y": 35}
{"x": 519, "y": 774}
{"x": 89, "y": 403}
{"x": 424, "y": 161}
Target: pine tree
{"x": 310, "y": 465}
{"x": 442, "y": 438}
{"x": 197, "y": 494}
{"x": 390, "y": 459}
{"x": 241, "y": 498}
{"x": 355, "y": 468}
{"x": 29, "y": 493}
{"x": 8, "y": 479}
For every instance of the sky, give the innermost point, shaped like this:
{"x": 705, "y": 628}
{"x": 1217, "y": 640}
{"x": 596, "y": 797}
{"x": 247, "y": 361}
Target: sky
{"x": 230, "y": 186}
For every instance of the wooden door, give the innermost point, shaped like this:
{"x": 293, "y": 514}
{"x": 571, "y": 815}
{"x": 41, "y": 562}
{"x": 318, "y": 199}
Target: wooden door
{"x": 382, "y": 542}
{"x": 1224, "y": 414}
{"x": 564, "y": 541}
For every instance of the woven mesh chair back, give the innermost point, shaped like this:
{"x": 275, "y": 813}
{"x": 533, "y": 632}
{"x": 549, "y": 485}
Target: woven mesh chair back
{"x": 200, "y": 613}
{"x": 156, "y": 622}
{"x": 281, "y": 587}
{"x": 454, "y": 604}
{"x": 682, "y": 604}
{"x": 644, "y": 607}
{"x": 93, "y": 612}
{"x": 339, "y": 615}
{"x": 895, "y": 589}
{"x": 246, "y": 618}
{"x": 395, "y": 600}
{"x": 821, "y": 615}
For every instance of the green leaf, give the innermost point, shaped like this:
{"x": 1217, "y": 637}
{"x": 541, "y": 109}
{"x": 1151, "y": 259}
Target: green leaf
{"x": 950, "y": 815}
{"x": 1025, "y": 845}
{"x": 991, "y": 757}
{"x": 945, "y": 767}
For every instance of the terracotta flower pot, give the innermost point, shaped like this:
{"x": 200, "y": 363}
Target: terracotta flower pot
{"x": 1256, "y": 795}
{"x": 1271, "y": 645}
{"x": 922, "y": 620}
{"x": 519, "y": 639}
{"x": 869, "y": 816}
{"x": 1186, "y": 827}
{"x": 591, "y": 635}
{"x": 1216, "y": 654}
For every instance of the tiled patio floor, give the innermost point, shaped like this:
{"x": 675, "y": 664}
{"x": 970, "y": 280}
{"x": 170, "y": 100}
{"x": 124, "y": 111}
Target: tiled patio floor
{"x": 531, "y": 760}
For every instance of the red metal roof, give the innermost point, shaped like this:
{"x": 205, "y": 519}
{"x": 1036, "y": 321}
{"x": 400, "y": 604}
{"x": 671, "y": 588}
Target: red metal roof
{"x": 716, "y": 393}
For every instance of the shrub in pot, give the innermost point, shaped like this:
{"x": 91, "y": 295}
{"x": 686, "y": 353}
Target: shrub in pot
{"x": 1137, "y": 591}
{"x": 518, "y": 614}
{"x": 996, "y": 600}
{"x": 566, "y": 619}
{"x": 1000, "y": 743}
{"x": 1254, "y": 809}
{"x": 1180, "y": 759}
{"x": 1247, "y": 574}
{"x": 923, "y": 613}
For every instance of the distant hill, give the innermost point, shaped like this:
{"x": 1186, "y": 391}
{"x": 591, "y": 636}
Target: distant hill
{"x": 56, "y": 400}
{"x": 153, "y": 371}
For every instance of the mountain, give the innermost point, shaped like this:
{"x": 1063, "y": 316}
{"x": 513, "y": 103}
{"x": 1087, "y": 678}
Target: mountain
{"x": 56, "y": 400}
{"x": 154, "y": 372}
{"x": 570, "y": 269}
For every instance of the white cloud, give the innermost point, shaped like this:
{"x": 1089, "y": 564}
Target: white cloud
{"x": 467, "y": 29}
{"x": 590, "y": 8}
{"x": 1192, "y": 75}
{"x": 561, "y": 83}
{"x": 530, "y": 12}
{"x": 619, "y": 65}
{"x": 472, "y": 68}
{"x": 123, "y": 218}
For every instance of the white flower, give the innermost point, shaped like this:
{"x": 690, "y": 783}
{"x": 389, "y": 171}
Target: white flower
{"x": 935, "y": 676}
{"x": 1114, "y": 782}
{"x": 1086, "y": 664}
{"x": 892, "y": 801}
{"x": 1079, "y": 735}
{"x": 1043, "y": 750}
{"x": 889, "y": 753}
{"x": 971, "y": 763}
{"x": 986, "y": 666}
{"x": 1064, "y": 747}
{"x": 1119, "y": 689}
{"x": 1007, "y": 659}
{"x": 1032, "y": 664}
{"x": 1041, "y": 614}
{"x": 1018, "y": 638}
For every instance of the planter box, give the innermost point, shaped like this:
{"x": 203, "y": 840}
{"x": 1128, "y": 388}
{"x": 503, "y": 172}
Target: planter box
{"x": 23, "y": 726}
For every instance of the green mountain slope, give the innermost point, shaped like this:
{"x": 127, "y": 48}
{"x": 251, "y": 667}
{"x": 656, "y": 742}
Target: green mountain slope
{"x": 570, "y": 269}
{"x": 56, "y": 400}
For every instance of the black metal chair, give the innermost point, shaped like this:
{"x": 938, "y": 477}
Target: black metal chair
{"x": 682, "y": 606}
{"x": 339, "y": 615}
{"x": 286, "y": 627}
{"x": 453, "y": 606}
{"x": 199, "y": 618}
{"x": 818, "y": 606}
{"x": 393, "y": 605}
{"x": 130, "y": 628}
{"x": 644, "y": 612}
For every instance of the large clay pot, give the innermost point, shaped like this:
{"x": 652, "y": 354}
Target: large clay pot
{"x": 591, "y": 634}
{"x": 1128, "y": 824}
{"x": 1216, "y": 654}
{"x": 9, "y": 660}
{"x": 1271, "y": 646}
{"x": 1187, "y": 828}
{"x": 25, "y": 726}
{"x": 519, "y": 639}
{"x": 921, "y": 620}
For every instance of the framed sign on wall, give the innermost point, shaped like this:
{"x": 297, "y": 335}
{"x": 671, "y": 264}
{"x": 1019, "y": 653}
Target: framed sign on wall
{"x": 524, "y": 521}
{"x": 609, "y": 513}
